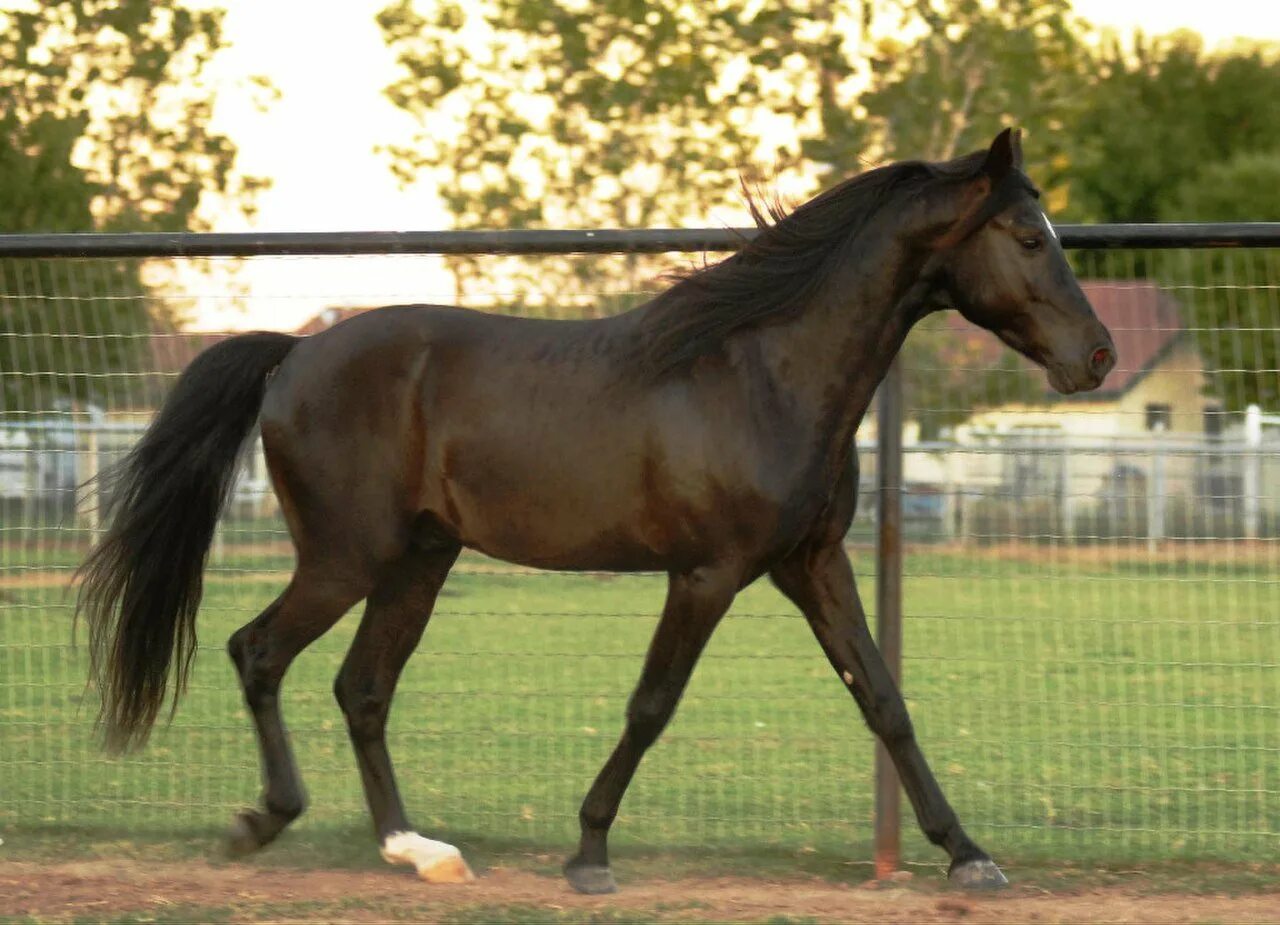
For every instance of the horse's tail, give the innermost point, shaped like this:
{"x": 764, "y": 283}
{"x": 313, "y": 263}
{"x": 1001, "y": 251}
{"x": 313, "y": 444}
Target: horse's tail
{"x": 143, "y": 581}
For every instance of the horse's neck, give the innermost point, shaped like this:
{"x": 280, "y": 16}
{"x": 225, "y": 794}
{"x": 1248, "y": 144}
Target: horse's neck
{"x": 834, "y": 353}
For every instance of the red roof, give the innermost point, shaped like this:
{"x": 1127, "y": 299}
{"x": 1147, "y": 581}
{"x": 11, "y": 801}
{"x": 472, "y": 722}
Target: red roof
{"x": 1144, "y": 321}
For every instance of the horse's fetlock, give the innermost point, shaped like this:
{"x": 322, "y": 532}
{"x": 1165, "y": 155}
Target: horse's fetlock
{"x": 287, "y": 808}
{"x": 595, "y": 819}
{"x": 942, "y": 832}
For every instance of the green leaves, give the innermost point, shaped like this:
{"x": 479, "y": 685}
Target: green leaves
{"x": 564, "y": 113}
{"x": 1175, "y": 134}
{"x": 975, "y": 69}
{"x": 631, "y": 113}
{"x": 103, "y": 125}
{"x": 124, "y": 77}
{"x": 662, "y": 97}
{"x": 1158, "y": 117}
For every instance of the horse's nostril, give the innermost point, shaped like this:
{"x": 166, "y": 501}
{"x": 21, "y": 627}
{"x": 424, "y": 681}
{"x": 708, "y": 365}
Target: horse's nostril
{"x": 1101, "y": 357}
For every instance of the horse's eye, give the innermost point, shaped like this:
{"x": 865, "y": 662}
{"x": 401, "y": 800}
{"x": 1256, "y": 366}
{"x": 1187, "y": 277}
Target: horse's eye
{"x": 1032, "y": 243}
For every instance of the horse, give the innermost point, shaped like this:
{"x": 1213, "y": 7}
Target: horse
{"x": 708, "y": 434}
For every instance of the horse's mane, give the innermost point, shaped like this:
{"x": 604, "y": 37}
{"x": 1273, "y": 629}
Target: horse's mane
{"x": 779, "y": 270}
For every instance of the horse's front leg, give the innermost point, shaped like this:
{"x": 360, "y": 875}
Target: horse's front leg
{"x": 819, "y": 580}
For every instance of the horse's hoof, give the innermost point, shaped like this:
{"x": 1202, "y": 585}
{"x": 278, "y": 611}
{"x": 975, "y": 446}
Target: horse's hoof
{"x": 241, "y": 838}
{"x": 592, "y": 879}
{"x": 980, "y": 874}
{"x": 435, "y": 861}
{"x": 447, "y": 870}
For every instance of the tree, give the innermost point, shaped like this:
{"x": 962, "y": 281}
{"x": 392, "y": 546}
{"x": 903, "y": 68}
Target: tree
{"x": 1159, "y": 115}
{"x": 104, "y": 126}
{"x": 1230, "y": 294}
{"x": 1174, "y": 134}
{"x": 617, "y": 113}
{"x": 638, "y": 114}
{"x": 973, "y": 67}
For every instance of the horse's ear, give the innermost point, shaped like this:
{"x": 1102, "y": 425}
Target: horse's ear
{"x": 1004, "y": 155}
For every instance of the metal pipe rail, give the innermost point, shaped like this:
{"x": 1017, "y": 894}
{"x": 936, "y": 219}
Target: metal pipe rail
{"x": 556, "y": 241}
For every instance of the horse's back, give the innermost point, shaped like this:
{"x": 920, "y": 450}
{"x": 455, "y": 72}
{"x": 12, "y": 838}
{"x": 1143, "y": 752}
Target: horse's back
{"x": 533, "y": 441}
{"x": 489, "y": 425}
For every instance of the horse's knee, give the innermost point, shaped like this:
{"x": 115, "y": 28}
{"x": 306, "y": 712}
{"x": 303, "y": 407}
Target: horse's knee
{"x": 365, "y": 710}
{"x": 647, "y": 716}
{"x": 258, "y": 679}
{"x": 237, "y": 648}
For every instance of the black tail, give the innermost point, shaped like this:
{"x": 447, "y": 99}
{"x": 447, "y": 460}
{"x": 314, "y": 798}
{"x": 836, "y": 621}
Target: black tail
{"x": 143, "y": 582}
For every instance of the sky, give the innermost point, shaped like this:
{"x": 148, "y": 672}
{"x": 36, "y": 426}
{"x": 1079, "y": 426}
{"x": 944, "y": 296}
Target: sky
{"x": 316, "y": 142}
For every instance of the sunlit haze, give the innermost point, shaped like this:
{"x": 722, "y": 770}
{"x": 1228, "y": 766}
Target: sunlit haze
{"x": 316, "y": 142}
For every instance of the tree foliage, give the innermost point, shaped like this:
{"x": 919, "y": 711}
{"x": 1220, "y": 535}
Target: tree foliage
{"x": 1175, "y": 134}
{"x": 104, "y": 125}
{"x": 1159, "y": 115}
{"x": 1231, "y": 295}
{"x": 617, "y": 113}
{"x": 969, "y": 69}
{"x": 627, "y": 113}
{"x": 973, "y": 67}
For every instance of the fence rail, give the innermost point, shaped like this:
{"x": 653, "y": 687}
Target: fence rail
{"x": 1091, "y": 591}
{"x": 559, "y": 241}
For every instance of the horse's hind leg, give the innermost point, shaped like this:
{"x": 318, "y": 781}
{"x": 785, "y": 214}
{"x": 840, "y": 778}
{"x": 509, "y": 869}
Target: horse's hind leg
{"x": 262, "y": 651}
{"x": 695, "y": 603}
{"x": 395, "y": 616}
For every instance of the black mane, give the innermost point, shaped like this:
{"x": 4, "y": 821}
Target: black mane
{"x": 778, "y": 271}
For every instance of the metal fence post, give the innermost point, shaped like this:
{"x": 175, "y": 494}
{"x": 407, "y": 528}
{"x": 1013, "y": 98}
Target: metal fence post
{"x": 889, "y": 603}
{"x": 1068, "y": 504}
{"x": 1252, "y": 482}
{"x": 1156, "y": 492}
{"x": 89, "y": 481}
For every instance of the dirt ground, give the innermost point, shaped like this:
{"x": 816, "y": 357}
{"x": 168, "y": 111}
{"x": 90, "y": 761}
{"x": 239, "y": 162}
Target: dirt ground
{"x": 200, "y": 891}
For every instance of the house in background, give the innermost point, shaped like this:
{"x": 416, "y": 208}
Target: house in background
{"x": 1148, "y": 439}
{"x": 1157, "y": 386}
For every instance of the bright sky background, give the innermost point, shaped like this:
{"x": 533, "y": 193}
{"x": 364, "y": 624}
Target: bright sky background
{"x": 316, "y": 142}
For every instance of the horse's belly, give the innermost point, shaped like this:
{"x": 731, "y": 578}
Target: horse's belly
{"x": 545, "y": 516}
{"x": 560, "y": 538}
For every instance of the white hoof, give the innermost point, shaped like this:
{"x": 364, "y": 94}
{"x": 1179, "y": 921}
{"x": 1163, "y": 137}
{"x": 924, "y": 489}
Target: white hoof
{"x": 435, "y": 861}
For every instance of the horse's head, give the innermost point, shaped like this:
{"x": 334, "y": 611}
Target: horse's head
{"x": 1003, "y": 268}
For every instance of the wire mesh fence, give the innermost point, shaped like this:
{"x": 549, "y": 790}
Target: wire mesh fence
{"x": 1092, "y": 589}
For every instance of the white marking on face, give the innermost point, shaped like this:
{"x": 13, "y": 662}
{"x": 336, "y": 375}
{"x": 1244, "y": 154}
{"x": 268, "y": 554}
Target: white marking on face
{"x": 848, "y": 677}
{"x": 1048, "y": 224}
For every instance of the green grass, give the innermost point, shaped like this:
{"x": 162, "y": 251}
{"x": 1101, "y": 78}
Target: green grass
{"x": 1088, "y": 713}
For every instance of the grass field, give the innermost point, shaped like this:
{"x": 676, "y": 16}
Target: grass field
{"x": 1092, "y": 708}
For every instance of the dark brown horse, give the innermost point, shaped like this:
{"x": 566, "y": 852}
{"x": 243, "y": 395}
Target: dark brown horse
{"x": 707, "y": 434}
